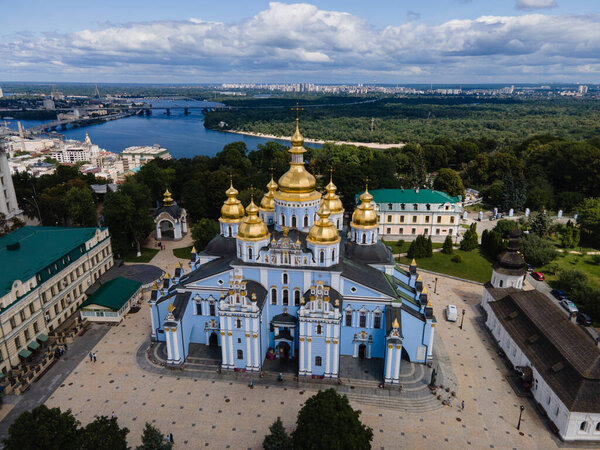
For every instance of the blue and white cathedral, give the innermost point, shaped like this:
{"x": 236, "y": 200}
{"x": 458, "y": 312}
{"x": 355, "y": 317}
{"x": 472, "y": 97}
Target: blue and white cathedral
{"x": 286, "y": 280}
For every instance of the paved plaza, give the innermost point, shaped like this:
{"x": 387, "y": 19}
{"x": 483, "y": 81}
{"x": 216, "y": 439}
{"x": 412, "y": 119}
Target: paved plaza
{"x": 225, "y": 413}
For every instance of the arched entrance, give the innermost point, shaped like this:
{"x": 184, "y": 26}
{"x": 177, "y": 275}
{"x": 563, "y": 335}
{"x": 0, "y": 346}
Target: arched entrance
{"x": 404, "y": 355}
{"x": 213, "y": 340}
{"x": 284, "y": 350}
{"x": 362, "y": 351}
{"x": 167, "y": 229}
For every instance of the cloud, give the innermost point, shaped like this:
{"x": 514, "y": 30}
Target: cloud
{"x": 529, "y": 5}
{"x": 300, "y": 42}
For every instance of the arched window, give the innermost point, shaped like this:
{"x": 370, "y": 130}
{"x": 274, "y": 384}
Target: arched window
{"x": 363, "y": 320}
{"x": 286, "y": 297}
{"x": 285, "y": 278}
{"x": 598, "y": 426}
{"x": 230, "y": 231}
{"x": 293, "y": 221}
{"x": 296, "y": 297}
{"x": 240, "y": 354}
{"x": 364, "y": 238}
{"x": 238, "y": 323}
{"x": 319, "y": 329}
{"x": 211, "y": 309}
{"x": 501, "y": 282}
{"x": 282, "y": 221}
{"x": 333, "y": 255}
{"x": 305, "y": 221}
{"x": 322, "y": 256}
{"x": 338, "y": 223}
{"x": 318, "y": 361}
{"x": 250, "y": 253}
{"x": 273, "y": 296}
{"x": 583, "y": 426}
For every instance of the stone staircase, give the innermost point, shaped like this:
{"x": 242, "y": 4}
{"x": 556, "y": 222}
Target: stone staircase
{"x": 427, "y": 402}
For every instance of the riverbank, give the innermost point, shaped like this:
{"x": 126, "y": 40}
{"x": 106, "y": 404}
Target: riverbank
{"x": 374, "y": 145}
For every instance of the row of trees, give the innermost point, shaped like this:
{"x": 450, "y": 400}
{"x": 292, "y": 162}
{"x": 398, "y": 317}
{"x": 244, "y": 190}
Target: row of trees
{"x": 53, "y": 429}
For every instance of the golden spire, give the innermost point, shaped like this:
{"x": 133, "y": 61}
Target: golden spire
{"x": 297, "y": 138}
{"x": 364, "y": 216}
{"x": 252, "y": 227}
{"x": 268, "y": 201}
{"x": 395, "y": 323}
{"x": 232, "y": 209}
{"x": 167, "y": 276}
{"x": 413, "y": 262}
{"x": 323, "y": 230}
{"x": 178, "y": 264}
{"x": 331, "y": 200}
{"x": 194, "y": 249}
{"x": 419, "y": 278}
{"x": 424, "y": 291}
{"x": 171, "y": 307}
{"x": 154, "y": 286}
{"x": 167, "y": 199}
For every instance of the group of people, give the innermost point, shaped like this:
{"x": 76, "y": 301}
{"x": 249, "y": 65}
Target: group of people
{"x": 160, "y": 245}
{"x": 60, "y": 351}
{"x": 92, "y": 356}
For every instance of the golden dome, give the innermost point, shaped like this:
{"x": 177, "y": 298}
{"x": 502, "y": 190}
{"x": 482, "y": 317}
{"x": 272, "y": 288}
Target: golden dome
{"x": 252, "y": 227}
{"x": 364, "y": 216}
{"x": 167, "y": 199}
{"x": 323, "y": 231}
{"x": 268, "y": 201}
{"x": 331, "y": 200}
{"x": 297, "y": 184}
{"x": 232, "y": 209}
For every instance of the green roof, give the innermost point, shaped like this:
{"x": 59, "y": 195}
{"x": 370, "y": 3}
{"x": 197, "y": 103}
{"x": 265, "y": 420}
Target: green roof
{"x": 34, "y": 249}
{"x": 411, "y": 196}
{"x": 113, "y": 294}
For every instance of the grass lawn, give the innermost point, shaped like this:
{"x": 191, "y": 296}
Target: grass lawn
{"x": 477, "y": 207}
{"x": 475, "y": 265}
{"x": 147, "y": 255}
{"x": 568, "y": 261}
{"x": 183, "y": 253}
{"x": 396, "y": 248}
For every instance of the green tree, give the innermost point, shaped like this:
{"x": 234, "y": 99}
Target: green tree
{"x": 80, "y": 204}
{"x": 448, "y": 249}
{"x": 540, "y": 224}
{"x": 513, "y": 193}
{"x": 428, "y": 247}
{"x": 278, "y": 439}
{"x": 470, "y": 240}
{"x": 537, "y": 250}
{"x": 449, "y": 181}
{"x": 589, "y": 221}
{"x": 153, "y": 439}
{"x": 203, "y": 231}
{"x": 504, "y": 226}
{"x": 43, "y": 428}
{"x": 104, "y": 434}
{"x": 569, "y": 236}
{"x": 341, "y": 431}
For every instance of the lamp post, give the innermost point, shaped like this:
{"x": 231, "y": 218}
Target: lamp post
{"x": 435, "y": 287}
{"x": 520, "y": 414}
{"x": 462, "y": 319}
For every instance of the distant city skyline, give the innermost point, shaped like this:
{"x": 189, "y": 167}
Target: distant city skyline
{"x": 410, "y": 41}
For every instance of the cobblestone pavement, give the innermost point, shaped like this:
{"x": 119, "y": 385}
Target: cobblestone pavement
{"x": 223, "y": 413}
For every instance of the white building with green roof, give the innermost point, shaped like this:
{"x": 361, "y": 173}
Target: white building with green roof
{"x": 411, "y": 212}
{"x": 44, "y": 273}
{"x": 111, "y": 301}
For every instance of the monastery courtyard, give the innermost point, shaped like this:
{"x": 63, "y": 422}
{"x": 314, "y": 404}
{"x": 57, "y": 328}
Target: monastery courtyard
{"x": 206, "y": 413}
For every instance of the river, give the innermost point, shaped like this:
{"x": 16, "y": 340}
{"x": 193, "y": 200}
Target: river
{"x": 183, "y": 136}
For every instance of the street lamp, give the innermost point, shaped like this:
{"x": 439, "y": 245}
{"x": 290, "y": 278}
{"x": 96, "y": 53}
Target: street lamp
{"x": 462, "y": 319}
{"x": 435, "y": 287}
{"x": 520, "y": 414}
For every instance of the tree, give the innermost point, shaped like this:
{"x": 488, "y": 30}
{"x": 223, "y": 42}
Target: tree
{"x": 492, "y": 242}
{"x": 80, "y": 204}
{"x": 153, "y": 439}
{"x": 449, "y": 181}
{"x": 540, "y": 224}
{"x": 504, "y": 226}
{"x": 589, "y": 221}
{"x": 448, "y": 249}
{"x": 43, "y": 428}
{"x": 429, "y": 247}
{"x": 421, "y": 247}
{"x": 470, "y": 240}
{"x": 513, "y": 193}
{"x": 537, "y": 250}
{"x": 104, "y": 434}
{"x": 278, "y": 439}
{"x": 203, "y": 231}
{"x": 341, "y": 430}
{"x": 569, "y": 236}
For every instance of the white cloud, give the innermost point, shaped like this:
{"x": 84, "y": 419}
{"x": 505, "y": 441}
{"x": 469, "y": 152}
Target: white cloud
{"x": 300, "y": 42}
{"x": 535, "y": 4}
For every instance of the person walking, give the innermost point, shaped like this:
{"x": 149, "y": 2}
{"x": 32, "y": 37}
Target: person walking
{"x": 462, "y": 405}
{"x": 94, "y": 355}
{"x": 171, "y": 438}
{"x": 91, "y": 356}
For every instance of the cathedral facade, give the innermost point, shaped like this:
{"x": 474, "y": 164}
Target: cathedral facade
{"x": 285, "y": 279}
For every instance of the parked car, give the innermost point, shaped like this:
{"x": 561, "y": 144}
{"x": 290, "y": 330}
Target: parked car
{"x": 451, "y": 313}
{"x": 584, "y": 319}
{"x": 530, "y": 268}
{"x": 569, "y": 305}
{"x": 538, "y": 276}
{"x": 558, "y": 294}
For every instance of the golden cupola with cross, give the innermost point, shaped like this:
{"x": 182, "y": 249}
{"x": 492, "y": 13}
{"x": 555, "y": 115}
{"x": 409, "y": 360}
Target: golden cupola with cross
{"x": 364, "y": 223}
{"x": 252, "y": 227}
{"x": 232, "y": 209}
{"x": 333, "y": 203}
{"x": 268, "y": 201}
{"x": 323, "y": 231}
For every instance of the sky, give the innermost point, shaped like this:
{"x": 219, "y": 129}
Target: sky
{"x": 351, "y": 41}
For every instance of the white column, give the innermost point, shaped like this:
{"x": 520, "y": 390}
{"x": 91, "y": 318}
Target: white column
{"x": 309, "y": 352}
{"x": 430, "y": 349}
{"x": 175, "y": 345}
{"x": 230, "y": 342}
{"x": 158, "y": 231}
{"x": 256, "y": 350}
{"x": 355, "y": 353}
{"x": 152, "y": 321}
{"x": 388, "y": 364}
{"x": 168, "y": 339}
{"x": 327, "y": 349}
{"x": 223, "y": 342}
{"x": 248, "y": 337}
{"x": 397, "y": 363}
{"x": 302, "y": 349}
{"x": 336, "y": 355}
{"x": 369, "y": 344}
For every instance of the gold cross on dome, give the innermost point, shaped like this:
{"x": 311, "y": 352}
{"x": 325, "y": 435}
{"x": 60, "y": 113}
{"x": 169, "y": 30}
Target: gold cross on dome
{"x": 297, "y": 109}
{"x": 367, "y": 183}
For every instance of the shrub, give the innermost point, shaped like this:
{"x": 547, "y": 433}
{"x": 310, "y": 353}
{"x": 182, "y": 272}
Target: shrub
{"x": 537, "y": 251}
{"x": 448, "y": 249}
{"x": 596, "y": 259}
{"x": 457, "y": 258}
{"x": 470, "y": 239}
